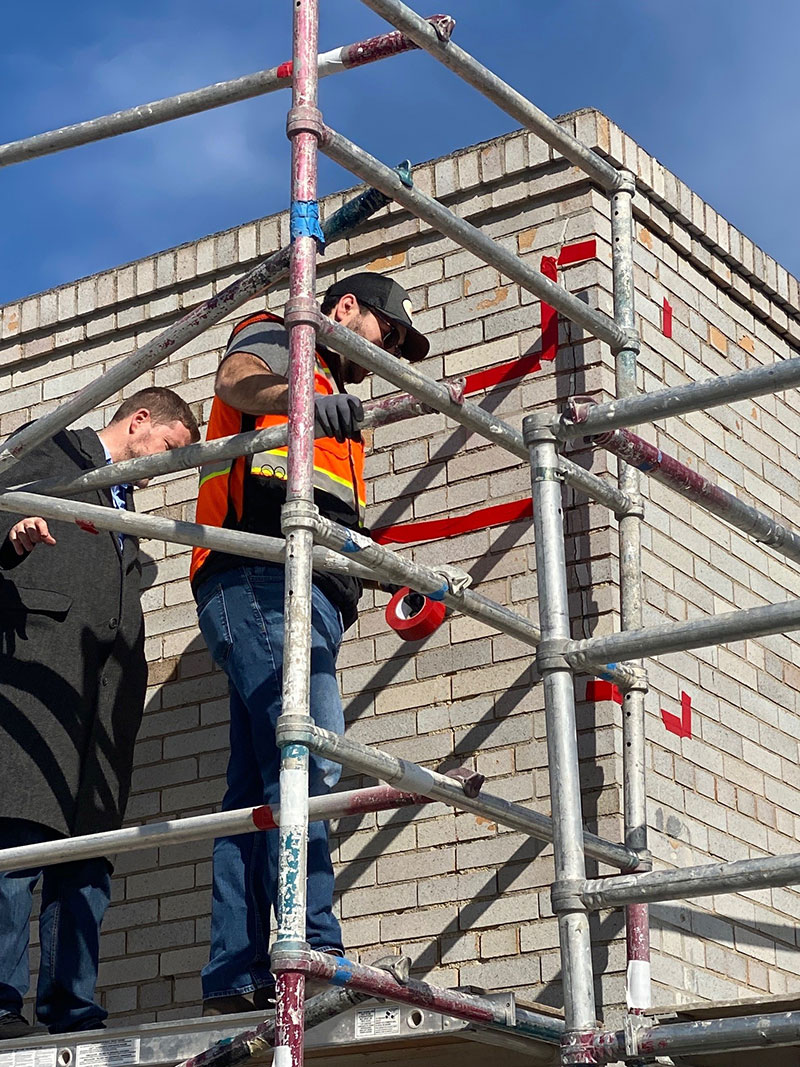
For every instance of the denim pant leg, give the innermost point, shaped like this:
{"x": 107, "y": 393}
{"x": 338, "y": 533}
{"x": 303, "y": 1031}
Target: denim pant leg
{"x": 240, "y": 910}
{"x": 16, "y": 900}
{"x": 241, "y": 617}
{"x": 75, "y": 897}
{"x": 322, "y": 928}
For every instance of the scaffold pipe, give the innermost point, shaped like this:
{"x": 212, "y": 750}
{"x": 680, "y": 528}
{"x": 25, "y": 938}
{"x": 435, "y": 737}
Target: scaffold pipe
{"x": 492, "y": 1014}
{"x": 211, "y": 96}
{"x": 395, "y": 569}
{"x": 569, "y": 852}
{"x": 94, "y": 517}
{"x": 705, "y": 1036}
{"x": 201, "y": 828}
{"x": 439, "y": 396}
{"x": 701, "y": 881}
{"x": 405, "y": 775}
{"x": 496, "y": 90}
{"x": 685, "y": 636}
{"x": 359, "y": 162}
{"x": 669, "y": 471}
{"x": 589, "y": 419}
{"x": 376, "y": 413}
{"x": 189, "y": 326}
{"x": 634, "y": 759}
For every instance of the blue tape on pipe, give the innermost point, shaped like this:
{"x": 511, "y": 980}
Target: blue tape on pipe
{"x": 304, "y": 221}
{"x": 440, "y": 594}
{"x": 351, "y": 546}
{"x": 343, "y": 972}
{"x": 605, "y": 675}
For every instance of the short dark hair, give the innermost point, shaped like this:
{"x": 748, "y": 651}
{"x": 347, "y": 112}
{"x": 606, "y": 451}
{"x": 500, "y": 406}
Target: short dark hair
{"x": 164, "y": 406}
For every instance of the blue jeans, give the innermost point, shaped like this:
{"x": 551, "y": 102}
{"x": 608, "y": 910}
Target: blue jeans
{"x": 74, "y": 900}
{"x": 240, "y": 613}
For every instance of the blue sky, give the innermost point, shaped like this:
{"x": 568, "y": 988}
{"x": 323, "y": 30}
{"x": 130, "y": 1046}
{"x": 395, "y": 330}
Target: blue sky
{"x": 708, "y": 86}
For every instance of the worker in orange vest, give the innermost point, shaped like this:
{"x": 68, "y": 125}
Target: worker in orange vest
{"x": 240, "y": 612}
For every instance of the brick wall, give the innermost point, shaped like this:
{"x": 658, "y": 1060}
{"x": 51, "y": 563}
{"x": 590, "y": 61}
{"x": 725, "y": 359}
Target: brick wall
{"x": 466, "y": 899}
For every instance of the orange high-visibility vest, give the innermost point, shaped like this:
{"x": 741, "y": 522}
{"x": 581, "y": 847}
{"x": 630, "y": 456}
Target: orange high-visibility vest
{"x": 338, "y": 468}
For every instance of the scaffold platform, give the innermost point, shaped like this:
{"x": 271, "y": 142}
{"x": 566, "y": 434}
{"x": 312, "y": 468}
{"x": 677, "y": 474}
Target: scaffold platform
{"x": 373, "y": 1031}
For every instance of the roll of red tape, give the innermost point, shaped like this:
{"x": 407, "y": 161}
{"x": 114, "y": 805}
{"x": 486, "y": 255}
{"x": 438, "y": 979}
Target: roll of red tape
{"x": 413, "y": 615}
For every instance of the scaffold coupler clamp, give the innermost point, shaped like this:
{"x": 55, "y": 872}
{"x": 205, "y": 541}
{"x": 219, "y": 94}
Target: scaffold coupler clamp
{"x": 567, "y": 895}
{"x": 580, "y": 1046}
{"x": 399, "y": 967}
{"x": 298, "y": 515}
{"x": 444, "y": 26}
{"x": 290, "y": 956}
{"x": 471, "y": 781}
{"x": 638, "y": 678}
{"x": 292, "y": 729}
{"x": 305, "y": 118}
{"x": 629, "y": 341}
{"x": 576, "y": 411}
{"x": 302, "y": 311}
{"x": 551, "y": 654}
{"x": 539, "y": 427}
{"x": 634, "y": 1026}
{"x": 457, "y": 580}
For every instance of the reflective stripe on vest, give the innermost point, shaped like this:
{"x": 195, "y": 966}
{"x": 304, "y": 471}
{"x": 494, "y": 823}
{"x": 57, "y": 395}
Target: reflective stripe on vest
{"x": 338, "y": 467}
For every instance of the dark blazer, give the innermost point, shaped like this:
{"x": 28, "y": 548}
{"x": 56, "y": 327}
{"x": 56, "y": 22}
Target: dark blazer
{"x": 72, "y": 666}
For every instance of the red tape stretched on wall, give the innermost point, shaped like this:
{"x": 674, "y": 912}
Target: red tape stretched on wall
{"x": 431, "y": 530}
{"x": 681, "y": 725}
{"x": 519, "y": 368}
{"x": 407, "y": 533}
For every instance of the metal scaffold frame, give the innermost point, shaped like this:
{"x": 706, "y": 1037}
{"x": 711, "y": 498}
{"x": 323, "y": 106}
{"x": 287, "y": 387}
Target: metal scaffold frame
{"x": 312, "y": 541}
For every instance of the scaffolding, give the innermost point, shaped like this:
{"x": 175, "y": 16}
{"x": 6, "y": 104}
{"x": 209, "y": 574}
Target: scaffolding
{"x": 312, "y": 541}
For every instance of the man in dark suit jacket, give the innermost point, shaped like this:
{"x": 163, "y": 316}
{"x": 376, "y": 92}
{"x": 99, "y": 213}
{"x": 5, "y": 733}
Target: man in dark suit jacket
{"x": 72, "y": 685}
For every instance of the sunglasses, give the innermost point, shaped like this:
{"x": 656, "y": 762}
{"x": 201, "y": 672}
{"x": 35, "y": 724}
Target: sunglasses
{"x": 390, "y": 334}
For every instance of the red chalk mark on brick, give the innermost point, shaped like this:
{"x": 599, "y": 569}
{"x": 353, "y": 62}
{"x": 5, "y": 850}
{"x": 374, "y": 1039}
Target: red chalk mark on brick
{"x": 666, "y": 318}
{"x": 597, "y": 690}
{"x": 86, "y": 526}
{"x": 681, "y": 725}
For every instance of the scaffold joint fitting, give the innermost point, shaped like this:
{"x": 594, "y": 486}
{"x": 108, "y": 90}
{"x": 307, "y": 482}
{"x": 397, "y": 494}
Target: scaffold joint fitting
{"x": 634, "y": 506}
{"x": 302, "y": 311}
{"x": 638, "y": 679}
{"x": 579, "y": 1046}
{"x": 471, "y": 781}
{"x": 645, "y": 864}
{"x": 626, "y": 182}
{"x": 538, "y": 427}
{"x": 290, "y": 956}
{"x": 304, "y": 119}
{"x": 567, "y": 895}
{"x": 629, "y": 342}
{"x": 444, "y": 26}
{"x": 551, "y": 655}
{"x": 298, "y": 515}
{"x": 634, "y": 1025}
{"x": 294, "y": 730}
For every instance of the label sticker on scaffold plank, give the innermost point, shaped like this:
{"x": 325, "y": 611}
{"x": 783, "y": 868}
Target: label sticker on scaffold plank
{"x": 378, "y": 1022}
{"x": 31, "y": 1057}
{"x": 116, "y": 1052}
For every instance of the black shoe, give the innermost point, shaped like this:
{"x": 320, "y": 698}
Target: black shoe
{"x": 13, "y": 1025}
{"x": 232, "y": 1005}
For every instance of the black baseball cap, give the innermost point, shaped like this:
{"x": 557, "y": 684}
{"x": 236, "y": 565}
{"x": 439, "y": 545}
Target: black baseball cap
{"x": 391, "y": 300}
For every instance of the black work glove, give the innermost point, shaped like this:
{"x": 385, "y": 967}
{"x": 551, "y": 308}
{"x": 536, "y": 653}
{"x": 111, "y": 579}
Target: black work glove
{"x": 338, "y": 415}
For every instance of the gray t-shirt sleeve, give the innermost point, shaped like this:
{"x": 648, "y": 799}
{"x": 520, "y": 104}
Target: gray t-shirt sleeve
{"x": 268, "y": 341}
